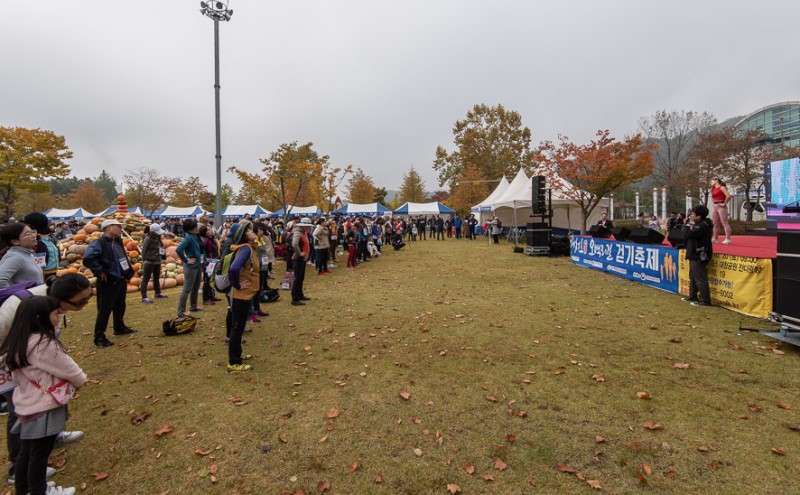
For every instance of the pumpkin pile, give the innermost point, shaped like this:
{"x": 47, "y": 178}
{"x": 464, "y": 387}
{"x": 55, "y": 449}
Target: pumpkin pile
{"x": 74, "y": 248}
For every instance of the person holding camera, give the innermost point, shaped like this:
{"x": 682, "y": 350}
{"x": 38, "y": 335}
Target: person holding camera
{"x": 698, "y": 254}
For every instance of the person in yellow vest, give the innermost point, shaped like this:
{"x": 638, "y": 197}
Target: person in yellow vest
{"x": 244, "y": 277}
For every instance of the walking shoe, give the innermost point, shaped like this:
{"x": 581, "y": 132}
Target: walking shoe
{"x": 49, "y": 474}
{"x": 125, "y": 331}
{"x": 52, "y": 489}
{"x": 304, "y": 298}
{"x": 228, "y": 341}
{"x": 700, "y": 303}
{"x": 253, "y": 319}
{"x": 331, "y": 265}
{"x": 196, "y": 309}
{"x": 298, "y": 303}
{"x": 247, "y": 330}
{"x": 146, "y": 300}
{"x": 104, "y": 342}
{"x": 161, "y": 296}
{"x": 727, "y": 241}
{"x": 68, "y": 437}
{"x": 245, "y": 357}
{"x": 689, "y": 299}
{"x": 209, "y": 302}
{"x": 262, "y": 313}
{"x": 238, "y": 368}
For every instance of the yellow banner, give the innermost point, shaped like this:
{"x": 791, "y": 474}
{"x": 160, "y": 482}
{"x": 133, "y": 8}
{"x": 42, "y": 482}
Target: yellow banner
{"x": 736, "y": 282}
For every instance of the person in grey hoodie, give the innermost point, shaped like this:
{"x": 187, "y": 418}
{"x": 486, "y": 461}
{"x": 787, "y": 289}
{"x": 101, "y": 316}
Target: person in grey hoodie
{"x": 19, "y": 263}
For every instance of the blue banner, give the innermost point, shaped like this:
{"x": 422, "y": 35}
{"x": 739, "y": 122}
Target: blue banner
{"x": 656, "y": 266}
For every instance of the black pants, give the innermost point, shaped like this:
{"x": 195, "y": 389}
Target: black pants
{"x": 299, "y": 268}
{"x": 151, "y": 270}
{"x": 322, "y": 260}
{"x": 110, "y": 299}
{"x": 238, "y": 311}
{"x": 31, "y": 472}
{"x": 12, "y": 439}
{"x": 698, "y": 281}
{"x": 208, "y": 291}
{"x": 363, "y": 252}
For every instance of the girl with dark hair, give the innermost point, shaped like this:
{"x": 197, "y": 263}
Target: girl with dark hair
{"x": 191, "y": 254}
{"x": 73, "y": 291}
{"x": 46, "y": 378}
{"x": 19, "y": 259}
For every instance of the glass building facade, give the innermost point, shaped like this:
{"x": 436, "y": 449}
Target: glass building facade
{"x": 780, "y": 123}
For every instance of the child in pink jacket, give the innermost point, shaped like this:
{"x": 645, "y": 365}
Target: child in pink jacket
{"x": 46, "y": 378}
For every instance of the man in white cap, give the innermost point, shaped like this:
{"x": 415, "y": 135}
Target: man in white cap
{"x": 301, "y": 248}
{"x": 108, "y": 260}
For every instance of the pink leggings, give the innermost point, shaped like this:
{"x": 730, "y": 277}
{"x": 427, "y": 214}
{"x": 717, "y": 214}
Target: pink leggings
{"x": 720, "y": 217}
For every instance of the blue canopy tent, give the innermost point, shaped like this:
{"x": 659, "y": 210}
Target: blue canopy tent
{"x": 369, "y": 209}
{"x": 113, "y": 208}
{"x": 300, "y": 211}
{"x": 434, "y": 208}
{"x": 238, "y": 211}
{"x": 56, "y": 214}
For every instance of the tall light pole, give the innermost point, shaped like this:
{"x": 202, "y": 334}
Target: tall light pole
{"x": 217, "y": 11}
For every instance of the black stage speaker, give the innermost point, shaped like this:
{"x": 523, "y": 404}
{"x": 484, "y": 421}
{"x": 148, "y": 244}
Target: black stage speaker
{"x": 677, "y": 237}
{"x": 538, "y": 234}
{"x": 643, "y": 235}
{"x": 599, "y": 231}
{"x": 559, "y": 245}
{"x": 538, "y": 200}
{"x": 787, "y": 282}
{"x": 621, "y": 233}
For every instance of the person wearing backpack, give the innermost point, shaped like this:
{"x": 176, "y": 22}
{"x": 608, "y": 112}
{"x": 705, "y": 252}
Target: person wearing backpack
{"x": 243, "y": 272}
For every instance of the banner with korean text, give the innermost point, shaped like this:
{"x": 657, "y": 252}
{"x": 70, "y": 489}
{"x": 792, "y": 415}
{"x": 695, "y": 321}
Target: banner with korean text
{"x": 736, "y": 282}
{"x": 656, "y": 266}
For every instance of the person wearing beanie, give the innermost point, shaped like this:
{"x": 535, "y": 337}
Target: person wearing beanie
{"x": 153, "y": 254}
{"x": 244, "y": 276}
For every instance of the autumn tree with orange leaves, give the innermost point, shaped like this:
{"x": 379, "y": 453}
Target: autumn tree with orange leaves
{"x": 595, "y": 169}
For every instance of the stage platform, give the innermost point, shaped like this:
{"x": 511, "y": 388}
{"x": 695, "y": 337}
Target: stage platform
{"x": 750, "y": 246}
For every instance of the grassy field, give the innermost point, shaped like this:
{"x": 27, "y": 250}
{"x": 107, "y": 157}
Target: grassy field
{"x": 446, "y": 366}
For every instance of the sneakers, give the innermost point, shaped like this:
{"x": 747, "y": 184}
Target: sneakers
{"x": 50, "y": 473}
{"x": 209, "y": 302}
{"x": 262, "y": 313}
{"x": 689, "y": 299}
{"x": 245, "y": 357}
{"x": 52, "y": 489}
{"x": 161, "y": 296}
{"x": 125, "y": 331}
{"x": 104, "y": 342}
{"x": 700, "y": 303}
{"x": 196, "y": 309}
{"x": 727, "y": 241}
{"x": 237, "y": 368}
{"x": 146, "y": 300}
{"x": 68, "y": 437}
{"x": 253, "y": 319}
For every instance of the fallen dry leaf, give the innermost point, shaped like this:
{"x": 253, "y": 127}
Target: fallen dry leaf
{"x": 778, "y": 352}
{"x": 647, "y": 469}
{"x": 100, "y": 476}
{"x": 670, "y": 474}
{"x": 214, "y": 469}
{"x": 599, "y": 439}
{"x": 487, "y": 477}
{"x": 323, "y": 439}
{"x": 491, "y": 398}
{"x": 378, "y": 479}
{"x": 323, "y": 486}
{"x": 651, "y": 425}
{"x": 784, "y": 405}
{"x": 564, "y": 468}
{"x": 418, "y": 452}
{"x": 595, "y": 484}
{"x": 137, "y": 419}
{"x": 283, "y": 438}
{"x": 682, "y": 366}
{"x": 598, "y": 377}
{"x": 580, "y": 476}
{"x": 164, "y": 430}
{"x": 406, "y": 395}
{"x": 469, "y": 468}
{"x": 511, "y": 438}
{"x": 353, "y": 466}
{"x": 453, "y": 488}
{"x": 643, "y": 395}
{"x": 203, "y": 452}
{"x": 778, "y": 451}
{"x": 332, "y": 413}
{"x": 499, "y": 464}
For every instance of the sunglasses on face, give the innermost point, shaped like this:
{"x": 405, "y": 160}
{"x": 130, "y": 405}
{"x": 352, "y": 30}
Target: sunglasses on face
{"x": 81, "y": 302}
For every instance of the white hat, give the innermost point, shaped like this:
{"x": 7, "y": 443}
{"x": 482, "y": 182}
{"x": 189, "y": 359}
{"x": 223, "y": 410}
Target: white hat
{"x": 156, "y": 229}
{"x": 305, "y": 222}
{"x": 108, "y": 223}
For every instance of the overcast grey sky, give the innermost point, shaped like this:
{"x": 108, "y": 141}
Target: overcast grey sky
{"x": 373, "y": 83}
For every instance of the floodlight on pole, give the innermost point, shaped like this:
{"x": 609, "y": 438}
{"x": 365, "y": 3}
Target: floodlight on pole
{"x": 218, "y": 11}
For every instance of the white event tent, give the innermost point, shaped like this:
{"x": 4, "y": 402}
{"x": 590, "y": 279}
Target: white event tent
{"x": 238, "y": 211}
{"x": 57, "y": 214}
{"x": 513, "y": 208}
{"x": 432, "y": 208}
{"x": 484, "y": 208}
{"x": 181, "y": 212}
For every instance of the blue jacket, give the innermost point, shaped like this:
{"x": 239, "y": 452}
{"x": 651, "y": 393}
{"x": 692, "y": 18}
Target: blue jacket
{"x": 190, "y": 248}
{"x": 106, "y": 255}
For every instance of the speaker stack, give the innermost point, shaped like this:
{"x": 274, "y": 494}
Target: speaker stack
{"x": 788, "y": 280}
{"x": 538, "y": 237}
{"x": 677, "y": 237}
{"x": 538, "y": 199}
{"x": 599, "y": 232}
{"x": 644, "y": 235}
{"x": 621, "y": 234}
